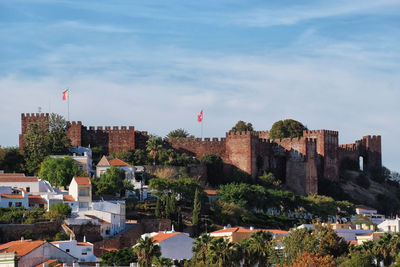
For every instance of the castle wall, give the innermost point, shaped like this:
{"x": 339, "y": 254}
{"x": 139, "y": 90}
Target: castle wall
{"x": 198, "y": 148}
{"x": 26, "y": 119}
{"x": 239, "y": 150}
{"x": 141, "y": 139}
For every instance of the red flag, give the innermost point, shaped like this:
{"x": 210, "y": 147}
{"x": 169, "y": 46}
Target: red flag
{"x": 200, "y": 116}
{"x": 65, "y": 95}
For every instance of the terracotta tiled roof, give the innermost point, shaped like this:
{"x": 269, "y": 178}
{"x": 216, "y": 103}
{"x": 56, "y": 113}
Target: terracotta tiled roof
{"x": 353, "y": 242}
{"x": 103, "y": 162}
{"x": 21, "y": 247}
{"x": 82, "y": 180}
{"x": 12, "y": 196}
{"x": 17, "y": 179}
{"x": 68, "y": 198}
{"x": 12, "y": 174}
{"x": 118, "y": 162}
{"x": 36, "y": 199}
{"x": 210, "y": 192}
{"x": 246, "y": 230}
{"x": 163, "y": 236}
{"x": 48, "y": 262}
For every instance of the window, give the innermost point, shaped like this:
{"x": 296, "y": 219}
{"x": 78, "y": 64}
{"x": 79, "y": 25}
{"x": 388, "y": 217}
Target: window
{"x": 83, "y": 192}
{"x": 84, "y": 253}
{"x": 10, "y": 204}
{"x": 83, "y": 205}
{"x": 41, "y": 206}
{"x": 67, "y": 250}
{"x": 18, "y": 204}
{"x": 107, "y": 231}
{"x": 28, "y": 189}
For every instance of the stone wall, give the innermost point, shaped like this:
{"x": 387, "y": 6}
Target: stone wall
{"x": 40, "y": 230}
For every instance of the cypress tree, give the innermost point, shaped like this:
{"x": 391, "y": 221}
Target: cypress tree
{"x": 196, "y": 209}
{"x": 172, "y": 207}
{"x": 158, "y": 208}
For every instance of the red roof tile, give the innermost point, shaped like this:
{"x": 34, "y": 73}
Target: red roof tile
{"x": 118, "y": 162}
{"x": 163, "y": 236}
{"x": 16, "y": 179}
{"x": 12, "y": 174}
{"x": 82, "y": 180}
{"x": 21, "y": 247}
{"x": 210, "y": 192}
{"x": 12, "y": 196}
{"x": 36, "y": 199}
{"x": 68, "y": 198}
{"x": 246, "y": 230}
{"x": 84, "y": 244}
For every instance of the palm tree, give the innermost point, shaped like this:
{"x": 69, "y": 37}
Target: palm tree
{"x": 153, "y": 146}
{"x": 243, "y": 254}
{"x": 162, "y": 262}
{"x": 146, "y": 250}
{"x": 382, "y": 250}
{"x": 220, "y": 252}
{"x": 201, "y": 247}
{"x": 261, "y": 245}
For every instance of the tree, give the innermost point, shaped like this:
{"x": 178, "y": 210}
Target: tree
{"x": 59, "y": 171}
{"x": 140, "y": 157}
{"x": 329, "y": 242}
{"x": 298, "y": 242}
{"x": 158, "y": 208}
{"x": 200, "y": 248}
{"x": 153, "y": 146}
{"x": 11, "y": 160}
{"x": 286, "y": 129}
{"x": 111, "y": 182}
{"x": 35, "y": 146}
{"x": 196, "y": 210}
{"x": 242, "y": 126}
{"x": 262, "y": 247}
{"x": 358, "y": 258}
{"x": 215, "y": 169}
{"x": 162, "y": 262}
{"x": 61, "y": 236}
{"x": 310, "y": 259}
{"x": 220, "y": 252}
{"x": 179, "y": 133}
{"x": 59, "y": 211}
{"x": 146, "y": 250}
{"x": 244, "y": 253}
{"x": 127, "y": 156}
{"x": 57, "y": 140}
{"x": 122, "y": 257}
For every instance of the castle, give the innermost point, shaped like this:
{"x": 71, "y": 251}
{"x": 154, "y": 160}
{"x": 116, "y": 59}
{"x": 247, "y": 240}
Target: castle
{"x": 298, "y": 162}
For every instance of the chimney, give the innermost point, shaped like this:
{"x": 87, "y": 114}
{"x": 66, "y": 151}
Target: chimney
{"x": 22, "y": 239}
{"x": 84, "y": 238}
{"x": 224, "y": 227}
{"x": 251, "y": 228}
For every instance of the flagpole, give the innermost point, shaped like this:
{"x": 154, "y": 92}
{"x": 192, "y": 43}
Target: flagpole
{"x": 68, "y": 96}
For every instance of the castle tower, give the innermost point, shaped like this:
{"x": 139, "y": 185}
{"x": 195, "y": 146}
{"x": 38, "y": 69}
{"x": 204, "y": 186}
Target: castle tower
{"x": 26, "y": 119}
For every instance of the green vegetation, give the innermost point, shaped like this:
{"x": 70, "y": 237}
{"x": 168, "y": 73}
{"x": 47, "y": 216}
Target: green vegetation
{"x": 196, "y": 210}
{"x": 21, "y": 215}
{"x": 59, "y": 171}
{"x": 12, "y": 160}
{"x": 286, "y": 129}
{"x": 179, "y": 133}
{"x": 242, "y": 126}
{"x": 57, "y": 140}
{"x": 146, "y": 251}
{"x": 59, "y": 211}
{"x": 111, "y": 182}
{"x": 61, "y": 236}
{"x": 122, "y": 257}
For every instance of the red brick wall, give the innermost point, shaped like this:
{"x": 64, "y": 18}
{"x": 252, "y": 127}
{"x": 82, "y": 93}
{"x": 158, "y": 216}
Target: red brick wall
{"x": 26, "y": 119}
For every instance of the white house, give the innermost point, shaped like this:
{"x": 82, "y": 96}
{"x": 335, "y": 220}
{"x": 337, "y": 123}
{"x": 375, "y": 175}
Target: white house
{"x": 130, "y": 171}
{"x": 29, "y": 183}
{"x": 31, "y": 253}
{"x": 173, "y": 245}
{"x": 83, "y": 251}
{"x": 390, "y": 226}
{"x": 18, "y": 199}
{"x": 370, "y": 213}
{"x": 80, "y": 190}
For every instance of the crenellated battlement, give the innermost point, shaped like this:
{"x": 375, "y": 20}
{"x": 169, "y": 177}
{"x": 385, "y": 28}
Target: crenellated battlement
{"x": 195, "y": 141}
{"x": 348, "y": 147}
{"x": 34, "y": 115}
{"x": 320, "y": 132}
{"x": 109, "y": 129}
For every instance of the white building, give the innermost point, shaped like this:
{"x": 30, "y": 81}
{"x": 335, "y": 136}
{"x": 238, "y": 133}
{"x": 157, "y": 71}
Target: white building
{"x": 29, "y": 183}
{"x": 31, "y": 253}
{"x": 390, "y": 226}
{"x": 370, "y": 213}
{"x": 80, "y": 189}
{"x": 83, "y": 251}
{"x": 83, "y": 158}
{"x": 173, "y": 245}
{"x": 17, "y": 199}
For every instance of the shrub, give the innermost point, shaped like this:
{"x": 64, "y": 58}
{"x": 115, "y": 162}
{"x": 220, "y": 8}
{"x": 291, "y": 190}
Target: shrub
{"x": 61, "y": 236}
{"x": 27, "y": 234}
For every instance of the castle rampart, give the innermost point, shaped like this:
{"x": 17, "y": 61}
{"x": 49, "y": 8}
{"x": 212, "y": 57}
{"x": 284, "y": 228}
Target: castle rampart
{"x": 298, "y": 162}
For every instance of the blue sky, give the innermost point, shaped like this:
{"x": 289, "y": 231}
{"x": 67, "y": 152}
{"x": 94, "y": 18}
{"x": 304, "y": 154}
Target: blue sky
{"x": 156, "y": 64}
